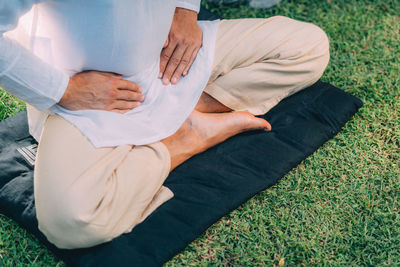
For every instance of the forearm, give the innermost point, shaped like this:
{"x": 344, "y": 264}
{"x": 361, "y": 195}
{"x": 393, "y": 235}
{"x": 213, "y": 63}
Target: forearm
{"x": 29, "y": 78}
{"x": 21, "y": 72}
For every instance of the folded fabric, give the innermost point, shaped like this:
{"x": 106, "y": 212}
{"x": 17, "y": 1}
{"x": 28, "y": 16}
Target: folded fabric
{"x": 206, "y": 187}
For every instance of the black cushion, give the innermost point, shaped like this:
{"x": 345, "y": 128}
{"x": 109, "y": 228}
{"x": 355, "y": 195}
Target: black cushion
{"x": 206, "y": 187}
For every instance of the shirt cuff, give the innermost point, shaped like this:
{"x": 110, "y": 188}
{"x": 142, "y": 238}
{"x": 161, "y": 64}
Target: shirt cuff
{"x": 29, "y": 78}
{"x": 189, "y": 4}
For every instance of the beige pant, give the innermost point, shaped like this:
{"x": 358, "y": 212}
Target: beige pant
{"x": 86, "y": 196}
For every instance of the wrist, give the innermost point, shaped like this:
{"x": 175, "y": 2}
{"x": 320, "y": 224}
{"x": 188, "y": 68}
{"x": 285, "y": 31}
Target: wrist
{"x": 66, "y": 95}
{"x": 186, "y": 13}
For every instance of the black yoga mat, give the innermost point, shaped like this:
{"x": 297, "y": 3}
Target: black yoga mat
{"x": 206, "y": 187}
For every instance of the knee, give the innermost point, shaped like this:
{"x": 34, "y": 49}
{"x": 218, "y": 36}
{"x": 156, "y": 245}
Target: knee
{"x": 318, "y": 45}
{"x": 306, "y": 31}
{"x": 320, "y": 39}
{"x": 307, "y": 38}
{"x": 304, "y": 44}
{"x": 319, "y": 52}
{"x": 313, "y": 45}
{"x": 66, "y": 225}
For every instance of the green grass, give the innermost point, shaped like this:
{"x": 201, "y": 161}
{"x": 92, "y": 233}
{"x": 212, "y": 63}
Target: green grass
{"x": 340, "y": 206}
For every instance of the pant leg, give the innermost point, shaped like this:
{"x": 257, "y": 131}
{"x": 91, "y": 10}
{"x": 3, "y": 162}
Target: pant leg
{"x": 258, "y": 62}
{"x": 86, "y": 196}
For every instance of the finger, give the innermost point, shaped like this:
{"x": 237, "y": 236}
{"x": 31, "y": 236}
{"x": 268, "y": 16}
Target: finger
{"x": 192, "y": 59}
{"x": 128, "y": 95}
{"x": 173, "y": 63}
{"x": 182, "y": 66}
{"x": 166, "y": 54}
{"x": 128, "y": 85}
{"x": 121, "y": 111}
{"x": 112, "y": 74}
{"x": 166, "y": 43}
{"x": 121, "y": 104}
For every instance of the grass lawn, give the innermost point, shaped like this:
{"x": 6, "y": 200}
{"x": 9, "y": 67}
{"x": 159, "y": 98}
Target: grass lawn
{"x": 340, "y": 206}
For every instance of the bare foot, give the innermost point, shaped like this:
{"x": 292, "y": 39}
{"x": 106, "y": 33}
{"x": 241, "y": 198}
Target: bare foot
{"x": 208, "y": 104}
{"x": 203, "y": 130}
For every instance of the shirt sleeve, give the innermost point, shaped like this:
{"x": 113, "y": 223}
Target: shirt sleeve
{"x": 21, "y": 72}
{"x": 189, "y": 4}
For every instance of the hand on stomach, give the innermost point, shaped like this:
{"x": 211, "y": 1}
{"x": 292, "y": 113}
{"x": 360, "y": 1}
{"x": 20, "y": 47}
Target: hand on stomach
{"x": 101, "y": 91}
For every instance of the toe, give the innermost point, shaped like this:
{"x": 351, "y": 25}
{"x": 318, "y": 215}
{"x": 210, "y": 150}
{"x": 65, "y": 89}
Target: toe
{"x": 258, "y": 123}
{"x": 254, "y": 123}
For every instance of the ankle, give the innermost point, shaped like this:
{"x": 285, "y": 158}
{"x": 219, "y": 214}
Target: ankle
{"x": 208, "y": 104}
{"x": 181, "y": 145}
{"x": 178, "y": 153}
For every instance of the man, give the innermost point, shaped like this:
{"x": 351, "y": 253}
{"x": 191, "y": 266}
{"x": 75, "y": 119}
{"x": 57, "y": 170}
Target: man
{"x": 88, "y": 191}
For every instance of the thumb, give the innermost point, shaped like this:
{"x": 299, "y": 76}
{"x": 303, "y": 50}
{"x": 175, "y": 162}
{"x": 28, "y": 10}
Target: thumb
{"x": 166, "y": 43}
{"x": 113, "y": 74}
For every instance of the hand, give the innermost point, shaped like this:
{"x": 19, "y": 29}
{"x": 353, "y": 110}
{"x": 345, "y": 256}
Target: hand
{"x": 101, "y": 90}
{"x": 181, "y": 47}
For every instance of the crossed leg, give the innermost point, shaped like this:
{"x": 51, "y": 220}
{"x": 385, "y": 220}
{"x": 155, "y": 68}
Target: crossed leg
{"x": 259, "y": 62}
{"x": 86, "y": 196}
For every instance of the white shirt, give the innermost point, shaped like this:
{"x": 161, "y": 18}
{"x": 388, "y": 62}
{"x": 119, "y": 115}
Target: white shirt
{"x": 122, "y": 36}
